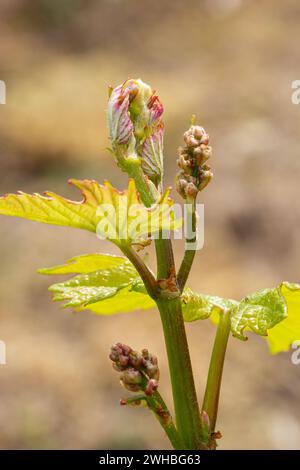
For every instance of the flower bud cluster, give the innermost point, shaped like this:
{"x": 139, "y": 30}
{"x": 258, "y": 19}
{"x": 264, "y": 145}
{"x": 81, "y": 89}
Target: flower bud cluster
{"x": 139, "y": 371}
{"x": 194, "y": 173}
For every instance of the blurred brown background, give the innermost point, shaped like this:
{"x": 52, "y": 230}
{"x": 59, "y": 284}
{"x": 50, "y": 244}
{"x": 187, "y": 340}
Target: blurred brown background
{"x": 232, "y": 63}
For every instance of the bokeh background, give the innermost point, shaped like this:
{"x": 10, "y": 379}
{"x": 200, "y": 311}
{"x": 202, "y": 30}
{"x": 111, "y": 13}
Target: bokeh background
{"x": 231, "y": 62}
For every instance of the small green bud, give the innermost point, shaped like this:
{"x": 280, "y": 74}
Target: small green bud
{"x": 194, "y": 174}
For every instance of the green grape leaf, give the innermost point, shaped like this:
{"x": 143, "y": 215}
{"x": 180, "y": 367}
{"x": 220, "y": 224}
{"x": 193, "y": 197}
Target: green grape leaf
{"x": 57, "y": 210}
{"x": 200, "y": 306}
{"x": 85, "y": 264}
{"x": 122, "y": 218}
{"x": 126, "y": 300}
{"x": 271, "y": 313}
{"x": 258, "y": 312}
{"x": 100, "y": 299}
{"x": 117, "y": 276}
{"x": 285, "y": 333}
{"x": 113, "y": 215}
{"x": 108, "y": 284}
{"x": 77, "y": 296}
{"x": 112, "y": 288}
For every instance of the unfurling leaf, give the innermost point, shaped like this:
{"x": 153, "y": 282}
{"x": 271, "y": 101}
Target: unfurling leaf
{"x": 152, "y": 155}
{"x": 200, "y": 306}
{"x": 136, "y": 129}
{"x": 113, "y": 287}
{"x": 272, "y": 313}
{"x": 117, "y": 216}
{"x": 259, "y": 312}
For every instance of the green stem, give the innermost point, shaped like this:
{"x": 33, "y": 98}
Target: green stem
{"x": 149, "y": 196}
{"x": 146, "y": 188}
{"x": 158, "y": 407}
{"x": 189, "y": 254}
{"x": 214, "y": 378}
{"x": 145, "y": 273}
{"x": 184, "y": 393}
{"x": 161, "y": 412}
